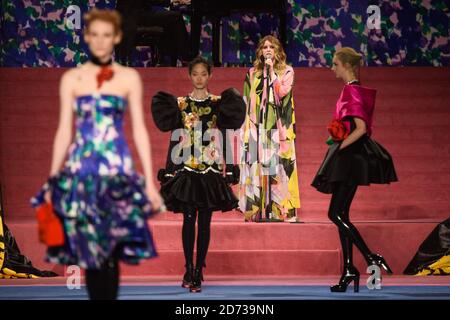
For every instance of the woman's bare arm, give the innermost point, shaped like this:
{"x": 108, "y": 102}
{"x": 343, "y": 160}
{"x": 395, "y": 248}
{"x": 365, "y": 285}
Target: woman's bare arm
{"x": 140, "y": 135}
{"x": 359, "y": 131}
{"x": 64, "y": 132}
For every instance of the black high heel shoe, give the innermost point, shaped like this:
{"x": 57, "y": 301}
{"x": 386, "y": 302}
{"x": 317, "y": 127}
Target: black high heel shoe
{"x": 187, "y": 278}
{"x": 196, "y": 281}
{"x": 377, "y": 259}
{"x": 350, "y": 274}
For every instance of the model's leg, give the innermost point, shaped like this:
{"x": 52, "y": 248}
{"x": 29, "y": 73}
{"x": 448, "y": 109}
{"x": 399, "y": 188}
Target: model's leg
{"x": 113, "y": 276}
{"x": 346, "y": 242}
{"x": 94, "y": 284}
{"x": 339, "y": 214}
{"x": 188, "y": 237}
{"x": 103, "y": 284}
{"x": 204, "y": 234}
{"x": 340, "y": 201}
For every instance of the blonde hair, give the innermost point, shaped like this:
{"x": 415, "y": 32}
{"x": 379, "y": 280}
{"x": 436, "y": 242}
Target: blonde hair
{"x": 280, "y": 56}
{"x": 350, "y": 56}
{"x": 111, "y": 16}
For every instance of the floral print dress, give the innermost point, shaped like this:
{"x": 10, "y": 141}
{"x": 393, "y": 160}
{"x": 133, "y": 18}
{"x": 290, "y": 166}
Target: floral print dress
{"x": 193, "y": 176}
{"x": 268, "y": 186}
{"x": 98, "y": 195}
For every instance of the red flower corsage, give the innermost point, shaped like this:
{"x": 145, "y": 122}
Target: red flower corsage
{"x": 105, "y": 74}
{"x": 337, "y": 130}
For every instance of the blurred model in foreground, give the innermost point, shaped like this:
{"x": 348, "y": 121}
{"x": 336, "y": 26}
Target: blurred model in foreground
{"x": 102, "y": 202}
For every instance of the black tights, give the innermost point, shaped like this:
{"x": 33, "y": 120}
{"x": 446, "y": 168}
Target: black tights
{"x": 188, "y": 236}
{"x": 339, "y": 214}
{"x": 103, "y": 284}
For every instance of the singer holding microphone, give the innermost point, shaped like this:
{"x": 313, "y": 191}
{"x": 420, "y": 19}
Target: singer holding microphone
{"x": 268, "y": 188}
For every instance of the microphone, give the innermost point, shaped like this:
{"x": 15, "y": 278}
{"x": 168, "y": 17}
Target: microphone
{"x": 267, "y": 56}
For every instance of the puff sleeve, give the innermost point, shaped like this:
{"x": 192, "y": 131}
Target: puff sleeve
{"x": 165, "y": 111}
{"x": 231, "y": 113}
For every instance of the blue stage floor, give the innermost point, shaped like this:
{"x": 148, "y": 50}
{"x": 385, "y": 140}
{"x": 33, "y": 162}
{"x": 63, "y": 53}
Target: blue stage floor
{"x": 235, "y": 292}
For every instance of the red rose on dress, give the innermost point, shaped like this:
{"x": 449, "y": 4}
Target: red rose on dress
{"x": 337, "y": 130}
{"x": 106, "y": 73}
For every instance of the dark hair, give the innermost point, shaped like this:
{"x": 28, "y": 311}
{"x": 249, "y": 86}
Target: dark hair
{"x": 200, "y": 60}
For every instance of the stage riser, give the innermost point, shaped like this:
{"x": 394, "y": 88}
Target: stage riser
{"x": 239, "y": 248}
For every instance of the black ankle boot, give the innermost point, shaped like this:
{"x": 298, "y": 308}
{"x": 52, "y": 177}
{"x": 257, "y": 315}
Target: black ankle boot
{"x": 196, "y": 281}
{"x": 188, "y": 275}
{"x": 350, "y": 274}
{"x": 376, "y": 259}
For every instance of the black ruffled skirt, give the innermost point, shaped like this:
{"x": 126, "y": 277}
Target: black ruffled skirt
{"x": 361, "y": 163}
{"x": 189, "y": 191}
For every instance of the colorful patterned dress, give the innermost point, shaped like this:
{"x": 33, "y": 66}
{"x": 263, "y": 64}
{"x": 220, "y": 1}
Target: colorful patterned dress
{"x": 269, "y": 183}
{"x": 98, "y": 195}
{"x": 193, "y": 177}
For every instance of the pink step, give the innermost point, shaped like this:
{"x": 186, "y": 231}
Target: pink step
{"x": 245, "y": 262}
{"x": 260, "y": 248}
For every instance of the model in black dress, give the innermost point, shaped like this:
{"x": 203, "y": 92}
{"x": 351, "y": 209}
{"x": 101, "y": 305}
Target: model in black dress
{"x": 353, "y": 159}
{"x": 192, "y": 181}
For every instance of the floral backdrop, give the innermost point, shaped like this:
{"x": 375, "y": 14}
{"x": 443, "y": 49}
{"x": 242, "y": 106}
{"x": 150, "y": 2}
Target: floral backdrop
{"x": 412, "y": 33}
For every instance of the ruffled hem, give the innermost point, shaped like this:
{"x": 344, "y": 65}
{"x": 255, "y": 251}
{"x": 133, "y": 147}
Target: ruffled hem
{"x": 131, "y": 253}
{"x": 189, "y": 191}
{"x": 99, "y": 214}
{"x": 364, "y": 162}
